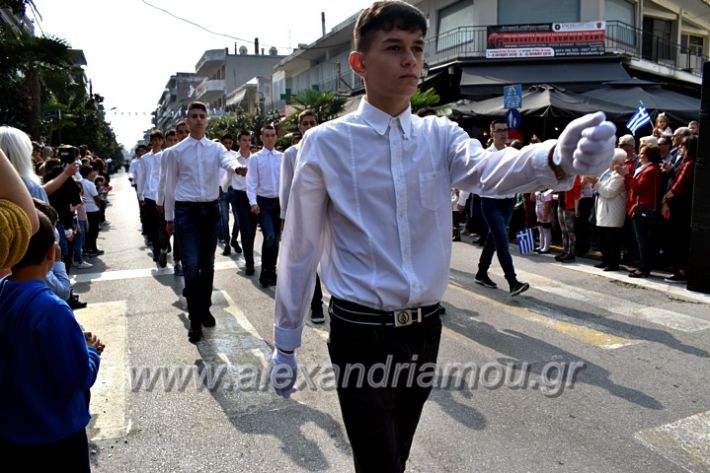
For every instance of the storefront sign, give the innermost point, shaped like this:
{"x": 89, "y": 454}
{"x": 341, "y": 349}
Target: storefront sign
{"x": 546, "y": 40}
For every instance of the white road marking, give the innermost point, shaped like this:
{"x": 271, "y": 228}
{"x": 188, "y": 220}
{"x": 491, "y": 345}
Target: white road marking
{"x": 617, "y": 305}
{"x": 685, "y": 442}
{"x": 109, "y": 394}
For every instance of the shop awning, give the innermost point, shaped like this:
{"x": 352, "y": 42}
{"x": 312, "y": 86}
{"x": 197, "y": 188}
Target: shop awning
{"x": 490, "y": 78}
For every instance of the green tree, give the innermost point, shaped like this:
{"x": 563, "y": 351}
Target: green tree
{"x": 428, "y": 98}
{"x": 327, "y": 106}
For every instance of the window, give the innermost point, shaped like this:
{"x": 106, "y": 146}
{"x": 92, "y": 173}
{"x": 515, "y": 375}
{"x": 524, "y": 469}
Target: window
{"x": 455, "y": 16}
{"x": 455, "y": 25}
{"x": 620, "y": 10}
{"x": 691, "y": 44}
{"x": 521, "y": 12}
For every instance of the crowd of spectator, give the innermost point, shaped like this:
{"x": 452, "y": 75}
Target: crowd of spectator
{"x": 635, "y": 215}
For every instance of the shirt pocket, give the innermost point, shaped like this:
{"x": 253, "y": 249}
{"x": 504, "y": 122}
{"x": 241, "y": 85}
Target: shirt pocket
{"x": 433, "y": 190}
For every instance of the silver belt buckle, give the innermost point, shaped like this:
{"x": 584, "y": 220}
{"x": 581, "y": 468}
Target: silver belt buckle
{"x": 405, "y": 317}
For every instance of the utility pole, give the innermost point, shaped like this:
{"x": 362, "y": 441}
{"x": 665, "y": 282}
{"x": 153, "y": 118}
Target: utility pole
{"x": 699, "y": 261}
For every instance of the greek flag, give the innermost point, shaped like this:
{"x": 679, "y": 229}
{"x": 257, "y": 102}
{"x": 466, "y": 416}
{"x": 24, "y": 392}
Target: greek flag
{"x": 640, "y": 118}
{"x": 526, "y": 241}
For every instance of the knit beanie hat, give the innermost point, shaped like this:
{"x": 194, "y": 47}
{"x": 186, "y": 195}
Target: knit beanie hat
{"x": 15, "y": 233}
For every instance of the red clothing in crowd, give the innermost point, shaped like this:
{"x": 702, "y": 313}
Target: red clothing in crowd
{"x": 644, "y": 188}
{"x": 572, "y": 195}
{"x": 683, "y": 184}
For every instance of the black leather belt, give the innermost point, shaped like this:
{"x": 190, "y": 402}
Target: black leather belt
{"x": 195, "y": 204}
{"x": 359, "y": 314}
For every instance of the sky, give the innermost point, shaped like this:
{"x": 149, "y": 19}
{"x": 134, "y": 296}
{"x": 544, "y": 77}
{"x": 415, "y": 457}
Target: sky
{"x": 132, "y": 48}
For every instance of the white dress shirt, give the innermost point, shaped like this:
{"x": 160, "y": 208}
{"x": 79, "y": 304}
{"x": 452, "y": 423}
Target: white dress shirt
{"x": 370, "y": 201}
{"x": 288, "y": 164}
{"x": 239, "y": 182}
{"x": 192, "y": 172}
{"x": 263, "y": 174}
{"x": 132, "y": 168}
{"x": 148, "y": 176}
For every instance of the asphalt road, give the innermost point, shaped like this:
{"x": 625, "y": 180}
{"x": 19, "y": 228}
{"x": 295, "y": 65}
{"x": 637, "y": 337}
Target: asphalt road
{"x": 586, "y": 372}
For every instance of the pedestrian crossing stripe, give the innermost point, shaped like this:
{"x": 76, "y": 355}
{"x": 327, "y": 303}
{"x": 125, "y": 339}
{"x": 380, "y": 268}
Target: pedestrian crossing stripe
{"x": 685, "y": 442}
{"x": 587, "y": 332}
{"x": 108, "y": 320}
{"x": 655, "y": 315}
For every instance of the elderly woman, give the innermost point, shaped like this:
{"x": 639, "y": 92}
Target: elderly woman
{"x": 610, "y": 212}
{"x": 643, "y": 203}
{"x": 679, "y": 201}
{"x": 19, "y": 150}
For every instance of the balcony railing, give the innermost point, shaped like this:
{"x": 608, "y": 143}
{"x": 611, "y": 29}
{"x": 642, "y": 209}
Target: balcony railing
{"x": 621, "y": 38}
{"x": 208, "y": 89}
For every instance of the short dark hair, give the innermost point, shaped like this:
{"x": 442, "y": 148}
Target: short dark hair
{"x": 179, "y": 124}
{"x": 267, "y": 127}
{"x": 244, "y": 133}
{"x": 497, "y": 122}
{"x": 156, "y": 134}
{"x": 40, "y": 243}
{"x": 197, "y": 105}
{"x": 86, "y": 170}
{"x": 170, "y": 132}
{"x": 307, "y": 113}
{"x": 47, "y": 210}
{"x": 141, "y": 146}
{"x": 386, "y": 16}
{"x": 652, "y": 152}
{"x": 226, "y": 136}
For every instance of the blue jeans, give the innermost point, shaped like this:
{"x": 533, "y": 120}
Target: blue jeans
{"x": 196, "y": 227}
{"x": 244, "y": 221}
{"x": 79, "y": 241}
{"x": 224, "y": 216}
{"x": 497, "y": 214}
{"x": 644, "y": 237}
{"x": 270, "y": 221}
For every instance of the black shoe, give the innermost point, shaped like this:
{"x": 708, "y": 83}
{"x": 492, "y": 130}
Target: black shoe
{"x": 560, "y": 256}
{"x": 518, "y": 287}
{"x": 227, "y": 251}
{"x": 601, "y": 265}
{"x": 194, "y": 335}
{"x": 272, "y": 279}
{"x": 208, "y": 320}
{"x": 676, "y": 278}
{"x": 249, "y": 271}
{"x": 485, "y": 281}
{"x": 317, "y": 316}
{"x": 567, "y": 258}
{"x": 265, "y": 280}
{"x": 74, "y": 303}
{"x": 163, "y": 258}
{"x": 235, "y": 245}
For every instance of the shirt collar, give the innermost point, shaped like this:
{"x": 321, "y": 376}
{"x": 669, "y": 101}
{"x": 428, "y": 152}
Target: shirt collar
{"x": 202, "y": 140}
{"x": 380, "y": 120}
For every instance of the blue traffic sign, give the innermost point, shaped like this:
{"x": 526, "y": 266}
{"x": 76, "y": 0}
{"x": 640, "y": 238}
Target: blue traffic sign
{"x": 513, "y": 118}
{"x": 513, "y": 96}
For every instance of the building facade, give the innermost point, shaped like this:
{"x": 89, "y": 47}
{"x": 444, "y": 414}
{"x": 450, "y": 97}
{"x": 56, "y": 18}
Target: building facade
{"x": 223, "y": 73}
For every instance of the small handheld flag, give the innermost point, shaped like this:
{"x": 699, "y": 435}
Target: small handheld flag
{"x": 526, "y": 241}
{"x": 640, "y": 118}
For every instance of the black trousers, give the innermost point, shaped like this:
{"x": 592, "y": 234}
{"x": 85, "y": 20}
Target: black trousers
{"x": 69, "y": 454}
{"x": 317, "y": 300}
{"x": 93, "y": 233}
{"x": 381, "y": 420}
{"x": 610, "y": 239}
{"x": 155, "y": 224}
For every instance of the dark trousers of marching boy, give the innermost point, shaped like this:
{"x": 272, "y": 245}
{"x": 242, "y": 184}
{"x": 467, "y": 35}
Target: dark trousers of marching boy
{"x": 381, "y": 416}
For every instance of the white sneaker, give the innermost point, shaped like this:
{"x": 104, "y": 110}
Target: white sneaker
{"x": 83, "y": 265}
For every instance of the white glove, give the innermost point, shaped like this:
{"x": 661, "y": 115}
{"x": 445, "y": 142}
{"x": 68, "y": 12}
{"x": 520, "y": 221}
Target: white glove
{"x": 283, "y": 372}
{"x": 586, "y": 146}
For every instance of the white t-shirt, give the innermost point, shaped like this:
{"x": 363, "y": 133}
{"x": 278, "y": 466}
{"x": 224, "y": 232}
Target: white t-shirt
{"x": 88, "y": 197}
